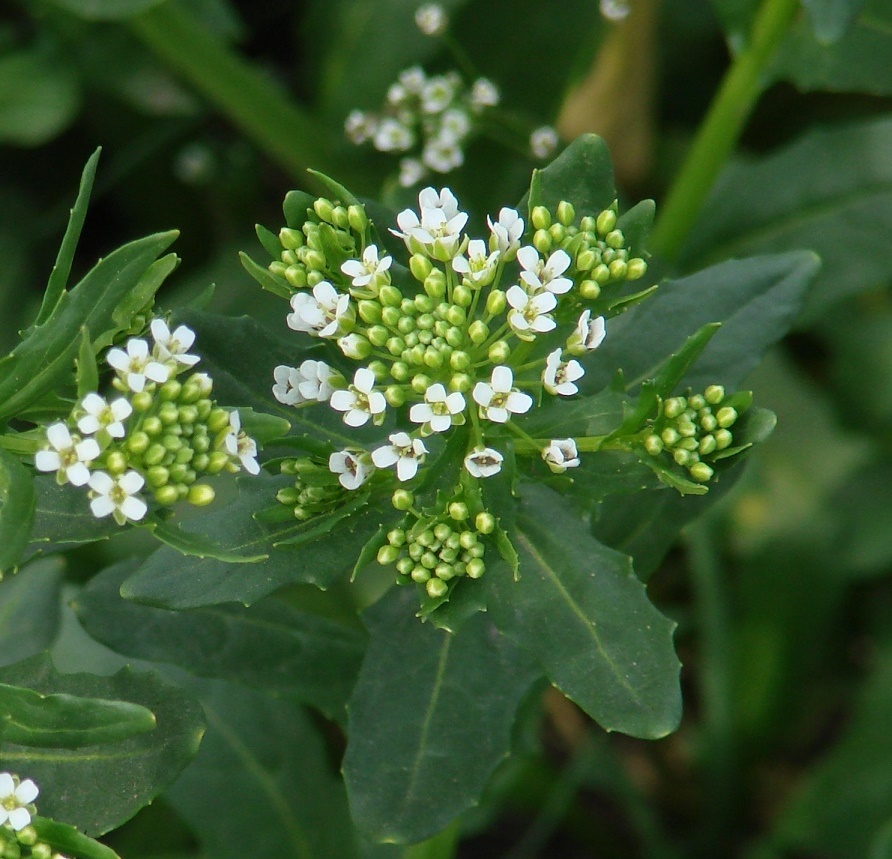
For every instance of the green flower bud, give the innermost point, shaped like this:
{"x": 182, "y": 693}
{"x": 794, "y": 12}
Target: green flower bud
{"x": 722, "y": 438}
{"x": 379, "y": 368}
{"x": 390, "y": 296}
{"x": 606, "y": 222}
{"x": 289, "y": 258}
{"x": 475, "y": 568}
{"x": 587, "y": 259}
{"x": 708, "y": 422}
{"x": 499, "y": 352}
{"x": 635, "y": 268}
{"x": 435, "y": 284}
{"x": 324, "y": 209}
{"x": 459, "y": 361}
{"x": 391, "y": 316}
{"x": 615, "y": 239}
{"x": 314, "y": 278}
{"x": 425, "y": 338}
{"x": 187, "y": 414}
{"x": 369, "y": 312}
{"x": 218, "y": 420}
{"x": 617, "y": 269}
{"x": 429, "y": 560}
{"x": 653, "y": 444}
{"x": 420, "y": 574}
{"x": 172, "y": 442}
{"x": 433, "y": 358}
{"x": 138, "y": 442}
{"x": 339, "y": 217}
{"x": 589, "y": 290}
{"x": 288, "y": 495}
{"x": 142, "y": 401}
{"x": 467, "y": 539}
{"x": 167, "y": 495}
{"x": 400, "y": 371}
{"x": 404, "y": 566}
{"x": 447, "y": 555}
{"x": 157, "y": 476}
{"x": 416, "y": 550}
{"x": 154, "y": 454}
{"x": 688, "y": 443}
{"x": 178, "y": 472}
{"x": 566, "y": 214}
{"x": 601, "y": 274}
{"x": 669, "y": 436}
{"x": 478, "y": 331}
{"x": 442, "y": 532}
{"x": 420, "y": 266}
{"x": 387, "y": 555}
{"x": 200, "y": 461}
{"x": 542, "y": 241}
{"x": 396, "y": 537}
{"x": 726, "y": 416}
{"x": 558, "y": 234}
{"x": 458, "y": 511}
{"x": 681, "y": 456}
{"x": 278, "y": 268}
{"x": 200, "y": 494}
{"x": 714, "y": 394}
{"x": 462, "y": 296}
{"x": 314, "y": 260}
{"x": 425, "y": 321}
{"x": 402, "y": 499}
{"x": 42, "y": 850}
{"x": 170, "y": 390}
{"x": 674, "y": 406}
{"x": 184, "y": 454}
{"x": 296, "y": 276}
{"x": 378, "y": 335}
{"x": 461, "y": 382}
{"x": 436, "y": 588}
{"x": 707, "y": 445}
{"x": 496, "y": 302}
{"x": 291, "y": 239}
{"x": 395, "y": 396}
{"x": 540, "y": 218}
{"x": 420, "y": 383}
{"x": 357, "y": 218}
{"x": 701, "y": 472}
{"x": 485, "y": 522}
{"x": 455, "y": 337}
{"x": 27, "y": 836}
{"x": 444, "y": 572}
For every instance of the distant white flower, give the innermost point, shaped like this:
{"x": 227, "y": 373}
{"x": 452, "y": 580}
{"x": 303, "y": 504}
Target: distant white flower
{"x": 100, "y": 414}
{"x": 352, "y": 469}
{"x": 117, "y": 496}
{"x": 363, "y": 272}
{"x": 14, "y": 801}
{"x": 438, "y": 230}
{"x": 538, "y": 274}
{"x": 240, "y": 444}
{"x": 442, "y": 154}
{"x": 498, "y": 400}
{"x": 136, "y": 366}
{"x": 413, "y": 79}
{"x": 286, "y": 389}
{"x": 440, "y": 410}
{"x": 391, "y": 135}
{"x": 456, "y": 123}
{"x": 431, "y": 19}
{"x": 311, "y": 381}
{"x": 559, "y": 376}
{"x": 412, "y": 171}
{"x": 321, "y": 314}
{"x": 479, "y": 267}
{"x": 437, "y": 94}
{"x": 544, "y": 141}
{"x": 360, "y": 126}
{"x": 561, "y": 454}
{"x": 615, "y": 10}
{"x": 404, "y": 452}
{"x": 484, "y": 93}
{"x": 397, "y": 95}
{"x": 529, "y": 314}
{"x": 69, "y": 456}
{"x": 173, "y": 347}
{"x": 506, "y": 232}
{"x": 484, "y": 462}
{"x": 360, "y": 401}
{"x": 589, "y": 334}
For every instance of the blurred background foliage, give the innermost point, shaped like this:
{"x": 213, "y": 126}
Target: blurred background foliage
{"x": 208, "y": 111}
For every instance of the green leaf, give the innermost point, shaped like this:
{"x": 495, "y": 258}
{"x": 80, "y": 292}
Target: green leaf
{"x": 58, "y": 279}
{"x": 831, "y": 19}
{"x": 106, "y": 10}
{"x": 265, "y": 277}
{"x": 756, "y": 300}
{"x": 580, "y": 610}
{"x": 61, "y": 721}
{"x": 599, "y": 414}
{"x": 262, "y": 427}
{"x": 453, "y": 698}
{"x": 29, "y": 610}
{"x": 61, "y": 836}
{"x": 87, "y": 373}
{"x": 43, "y": 361}
{"x": 830, "y": 191}
{"x": 272, "y": 645}
{"x": 17, "y": 501}
{"x": 97, "y": 789}
{"x": 278, "y": 781}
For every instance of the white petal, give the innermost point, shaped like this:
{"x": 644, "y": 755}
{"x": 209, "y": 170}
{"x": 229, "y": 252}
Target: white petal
{"x": 78, "y": 474}
{"x": 131, "y": 482}
{"x": 406, "y": 468}
{"x": 134, "y": 508}
{"x": 455, "y": 403}
{"x": 59, "y": 436}
{"x": 250, "y": 464}
{"x": 385, "y": 456}
{"x": 517, "y": 297}
{"x": 342, "y": 400}
{"x": 401, "y": 439}
{"x": 377, "y": 402}
{"x": 44, "y": 460}
{"x": 160, "y": 331}
{"x": 502, "y": 379}
{"x": 356, "y": 418}
{"x": 93, "y": 404}
{"x": 440, "y": 423}
{"x": 19, "y": 818}
{"x": 559, "y": 285}
{"x": 102, "y": 506}
{"x": 89, "y": 424}
{"x": 420, "y": 413}
{"x": 157, "y": 372}
{"x": 137, "y": 348}
{"x": 482, "y": 394}
{"x": 436, "y": 394}
{"x": 117, "y": 359}
{"x": 7, "y": 785}
{"x": 185, "y": 336}
{"x": 528, "y": 257}
{"x": 497, "y": 414}
{"x": 558, "y": 262}
{"x": 136, "y": 382}
{"x": 337, "y": 462}
{"x": 518, "y": 402}
{"x": 364, "y": 380}
{"x": 101, "y": 482}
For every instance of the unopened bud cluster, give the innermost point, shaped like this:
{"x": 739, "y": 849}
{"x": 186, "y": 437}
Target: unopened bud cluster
{"x": 158, "y": 438}
{"x": 18, "y": 837}
{"x": 696, "y": 429}
{"x": 317, "y": 489}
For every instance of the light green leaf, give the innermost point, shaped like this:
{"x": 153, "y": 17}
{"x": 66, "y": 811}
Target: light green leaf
{"x": 16, "y": 510}
{"x": 61, "y": 836}
{"x": 430, "y": 719}
{"x": 264, "y": 277}
{"x": 98, "y": 789}
{"x": 580, "y": 610}
{"x": 29, "y": 610}
{"x": 272, "y": 645}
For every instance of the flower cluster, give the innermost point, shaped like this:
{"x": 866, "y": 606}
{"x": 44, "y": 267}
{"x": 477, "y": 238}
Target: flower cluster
{"x": 157, "y": 437}
{"x": 18, "y": 837}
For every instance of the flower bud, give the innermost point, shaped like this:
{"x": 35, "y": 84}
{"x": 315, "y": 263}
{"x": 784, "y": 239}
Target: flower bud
{"x": 566, "y": 214}
{"x": 390, "y": 296}
{"x": 142, "y": 401}
{"x": 296, "y": 276}
{"x": 379, "y": 368}
{"x": 462, "y": 296}
{"x": 217, "y": 461}
{"x": 653, "y": 444}
{"x": 387, "y": 555}
{"x": 701, "y": 472}
{"x": 378, "y": 335}
{"x": 400, "y": 371}
{"x": 458, "y": 511}
{"x": 496, "y": 302}
{"x": 339, "y": 217}
{"x": 167, "y": 495}
{"x": 540, "y": 218}
{"x": 726, "y": 416}
{"x": 435, "y": 284}
{"x": 436, "y": 588}
{"x": 478, "y": 332}
{"x": 395, "y": 396}
{"x": 157, "y": 476}
{"x": 138, "y": 442}
{"x": 606, "y": 222}
{"x": 587, "y": 259}
{"x": 542, "y": 241}
{"x": 499, "y": 352}
{"x": 615, "y": 239}
{"x": 200, "y": 494}
{"x": 324, "y": 209}
{"x": 314, "y": 260}
{"x": 187, "y": 415}
{"x": 402, "y": 499}
{"x": 674, "y": 406}
{"x": 485, "y": 522}
{"x": 617, "y": 269}
{"x": 589, "y": 290}
{"x": 558, "y": 234}
{"x": 722, "y": 438}
{"x": 404, "y": 566}
{"x": 420, "y": 266}
{"x": 455, "y": 337}
{"x": 218, "y": 420}
{"x": 314, "y": 278}
{"x": 291, "y": 239}
{"x": 476, "y": 568}
{"x": 461, "y": 382}
{"x": 420, "y": 383}
{"x": 714, "y": 394}
{"x": 420, "y": 574}
{"x": 357, "y": 218}
{"x": 459, "y": 361}
{"x": 467, "y": 539}
{"x": 370, "y": 312}
{"x": 444, "y": 571}
{"x": 635, "y": 268}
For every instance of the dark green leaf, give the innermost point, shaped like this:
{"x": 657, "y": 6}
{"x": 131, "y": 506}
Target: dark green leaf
{"x": 599, "y": 414}
{"x": 430, "y": 719}
{"x": 264, "y": 277}
{"x": 29, "y": 610}
{"x": 87, "y": 373}
{"x": 16, "y": 510}
{"x": 580, "y": 610}
{"x": 98, "y": 788}
{"x": 61, "y": 836}
{"x": 830, "y": 19}
{"x": 106, "y": 10}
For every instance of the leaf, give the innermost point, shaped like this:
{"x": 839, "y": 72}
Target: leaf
{"x": 756, "y": 300}
{"x": 61, "y": 721}
{"x": 44, "y": 360}
{"x": 272, "y": 645}
{"x": 106, "y": 10}
{"x": 579, "y": 609}
{"x": 831, "y": 19}
{"x": 263, "y": 765}
{"x": 598, "y": 414}
{"x": 61, "y": 836}
{"x": 830, "y": 191}
{"x": 264, "y": 277}
{"x": 16, "y": 510}
{"x": 430, "y": 719}
{"x": 97, "y": 788}
{"x": 87, "y": 373}
{"x": 29, "y": 610}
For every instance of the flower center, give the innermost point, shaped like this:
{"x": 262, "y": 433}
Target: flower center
{"x": 117, "y": 494}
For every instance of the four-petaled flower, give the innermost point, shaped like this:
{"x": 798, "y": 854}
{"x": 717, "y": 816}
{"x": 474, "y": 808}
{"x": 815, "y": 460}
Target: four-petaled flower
{"x": 559, "y": 376}
{"x": 479, "y": 268}
{"x": 506, "y": 232}
{"x": 240, "y": 444}
{"x": 437, "y": 231}
{"x": 363, "y": 272}
{"x": 69, "y": 457}
{"x": 431, "y": 19}
{"x": 561, "y": 454}
{"x": 117, "y": 496}
{"x": 322, "y": 314}
{"x": 540, "y": 275}
{"x": 136, "y": 365}
{"x": 173, "y": 347}
{"x": 484, "y": 93}
{"x": 404, "y": 452}
{"x": 440, "y": 410}
{"x": 360, "y": 401}
{"x": 102, "y": 415}
{"x": 351, "y": 468}
{"x": 589, "y": 334}
{"x": 392, "y": 136}
{"x": 484, "y": 462}
{"x": 529, "y": 314}
{"x": 544, "y": 141}
{"x": 498, "y": 400}
{"x": 14, "y": 801}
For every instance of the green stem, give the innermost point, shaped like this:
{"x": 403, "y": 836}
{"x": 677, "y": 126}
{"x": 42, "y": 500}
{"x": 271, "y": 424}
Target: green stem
{"x": 21, "y": 444}
{"x": 443, "y": 845}
{"x": 720, "y": 130}
{"x": 247, "y": 97}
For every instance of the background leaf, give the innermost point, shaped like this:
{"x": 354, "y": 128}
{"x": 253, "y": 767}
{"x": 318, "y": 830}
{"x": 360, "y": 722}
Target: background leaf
{"x": 29, "y": 610}
{"x": 16, "y": 510}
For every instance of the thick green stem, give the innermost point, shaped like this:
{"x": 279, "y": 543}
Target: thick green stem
{"x": 720, "y": 130}
{"x": 250, "y": 99}
{"x": 442, "y": 846}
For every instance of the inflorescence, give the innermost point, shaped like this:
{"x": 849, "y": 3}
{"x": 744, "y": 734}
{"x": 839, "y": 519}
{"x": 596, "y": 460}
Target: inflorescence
{"x": 18, "y": 837}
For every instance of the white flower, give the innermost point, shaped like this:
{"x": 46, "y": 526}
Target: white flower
{"x": 14, "y": 800}
{"x": 589, "y": 334}
{"x": 69, "y": 456}
{"x": 404, "y": 452}
{"x": 561, "y": 454}
{"x": 360, "y": 401}
{"x": 286, "y": 389}
{"x": 529, "y": 314}
{"x": 506, "y": 232}
{"x": 484, "y": 93}
{"x": 311, "y": 381}
{"x": 173, "y": 346}
{"x": 412, "y": 171}
{"x": 479, "y": 268}
{"x": 442, "y": 154}
{"x": 431, "y": 19}
{"x": 498, "y": 400}
{"x": 538, "y": 274}
{"x": 117, "y": 496}
{"x": 544, "y": 141}
{"x": 136, "y": 365}
{"x": 239, "y": 443}
{"x": 455, "y": 123}
{"x": 559, "y": 377}
{"x": 397, "y": 94}
{"x": 437, "y": 93}
{"x": 101, "y": 414}
{"x": 615, "y": 10}
{"x": 352, "y": 469}
{"x": 392, "y": 136}
{"x": 362, "y": 273}
{"x": 438, "y": 230}
{"x": 321, "y": 314}
{"x": 360, "y": 126}
{"x": 439, "y": 409}
{"x": 413, "y": 79}
{"x": 484, "y": 462}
